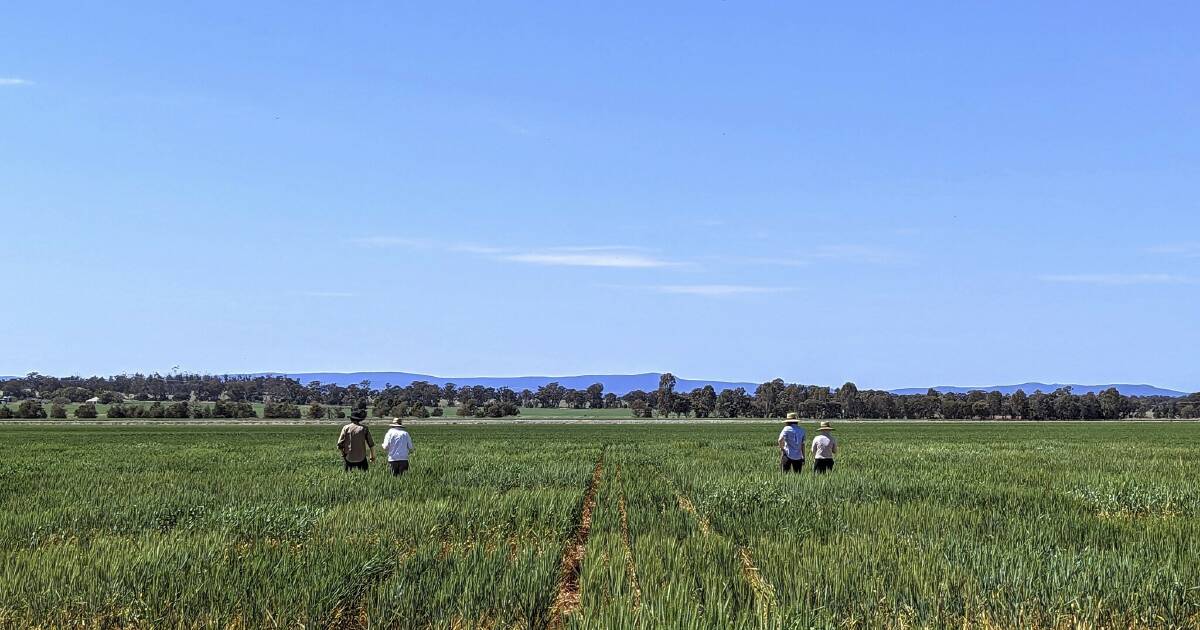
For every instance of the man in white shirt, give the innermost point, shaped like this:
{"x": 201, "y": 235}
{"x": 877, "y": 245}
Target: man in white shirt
{"x": 791, "y": 445}
{"x": 824, "y": 447}
{"x": 398, "y": 445}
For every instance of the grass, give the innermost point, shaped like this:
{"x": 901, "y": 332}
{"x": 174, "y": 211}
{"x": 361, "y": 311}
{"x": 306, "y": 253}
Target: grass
{"x": 928, "y": 525}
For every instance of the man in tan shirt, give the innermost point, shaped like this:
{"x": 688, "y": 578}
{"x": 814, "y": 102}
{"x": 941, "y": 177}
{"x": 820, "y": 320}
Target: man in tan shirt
{"x": 355, "y": 443}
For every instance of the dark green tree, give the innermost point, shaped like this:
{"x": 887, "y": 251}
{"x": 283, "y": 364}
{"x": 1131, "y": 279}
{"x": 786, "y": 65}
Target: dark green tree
{"x": 666, "y": 394}
{"x": 31, "y": 410}
{"x": 595, "y": 395}
{"x": 1018, "y": 405}
{"x": 703, "y": 401}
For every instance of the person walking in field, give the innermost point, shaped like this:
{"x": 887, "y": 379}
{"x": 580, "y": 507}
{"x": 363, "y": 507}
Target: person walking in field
{"x": 791, "y": 445}
{"x": 398, "y": 445}
{"x": 355, "y": 442}
{"x": 824, "y": 447}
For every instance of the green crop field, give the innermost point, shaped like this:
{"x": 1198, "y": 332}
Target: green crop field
{"x": 1014, "y": 525}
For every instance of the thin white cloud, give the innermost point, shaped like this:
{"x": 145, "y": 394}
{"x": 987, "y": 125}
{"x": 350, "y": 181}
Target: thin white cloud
{"x": 718, "y": 290}
{"x": 618, "y": 256}
{"x": 14, "y": 81}
{"x": 1185, "y": 250}
{"x": 1118, "y": 279}
{"x": 598, "y": 248}
{"x": 575, "y": 257}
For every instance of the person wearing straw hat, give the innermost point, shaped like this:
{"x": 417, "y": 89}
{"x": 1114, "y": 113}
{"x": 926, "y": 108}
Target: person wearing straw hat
{"x": 398, "y": 445}
{"x": 791, "y": 445}
{"x": 355, "y": 442}
{"x": 824, "y": 447}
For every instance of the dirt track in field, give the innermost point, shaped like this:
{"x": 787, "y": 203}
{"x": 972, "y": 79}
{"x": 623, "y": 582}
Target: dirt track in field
{"x": 567, "y": 599}
{"x": 627, "y": 542}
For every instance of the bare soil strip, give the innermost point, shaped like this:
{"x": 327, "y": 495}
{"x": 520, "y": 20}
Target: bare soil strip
{"x": 630, "y": 565}
{"x": 566, "y": 602}
{"x": 764, "y": 592}
{"x": 685, "y": 504}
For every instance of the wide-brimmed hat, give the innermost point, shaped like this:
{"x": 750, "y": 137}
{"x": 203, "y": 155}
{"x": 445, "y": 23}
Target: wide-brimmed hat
{"x": 396, "y": 422}
{"x": 824, "y": 427}
{"x": 792, "y": 416}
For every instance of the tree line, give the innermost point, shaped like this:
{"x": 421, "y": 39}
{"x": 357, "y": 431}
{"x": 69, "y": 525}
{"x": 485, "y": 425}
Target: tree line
{"x": 211, "y": 396}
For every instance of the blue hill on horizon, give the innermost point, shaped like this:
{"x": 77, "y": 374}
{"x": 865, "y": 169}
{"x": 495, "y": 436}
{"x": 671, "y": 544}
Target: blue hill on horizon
{"x": 621, "y": 384}
{"x": 1029, "y": 388}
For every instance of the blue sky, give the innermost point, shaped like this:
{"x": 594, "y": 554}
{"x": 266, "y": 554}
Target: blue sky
{"x": 895, "y": 194}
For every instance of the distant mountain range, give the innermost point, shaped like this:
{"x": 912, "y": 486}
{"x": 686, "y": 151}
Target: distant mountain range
{"x": 619, "y": 384}
{"x": 1029, "y": 388}
{"x": 624, "y": 383}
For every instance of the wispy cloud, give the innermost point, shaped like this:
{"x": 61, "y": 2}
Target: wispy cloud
{"x": 14, "y": 81}
{"x": 590, "y": 257}
{"x": 718, "y": 290}
{"x": 1118, "y": 279}
{"x": 619, "y": 256}
{"x": 633, "y": 257}
{"x": 1185, "y": 250}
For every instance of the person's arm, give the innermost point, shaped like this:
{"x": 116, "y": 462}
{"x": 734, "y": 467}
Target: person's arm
{"x": 814, "y": 446}
{"x": 341, "y": 443}
{"x": 370, "y": 443}
{"x": 833, "y": 446}
{"x": 782, "y": 443}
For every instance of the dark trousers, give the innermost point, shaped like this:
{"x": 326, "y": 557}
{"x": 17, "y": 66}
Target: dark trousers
{"x": 790, "y": 465}
{"x": 398, "y": 467}
{"x": 355, "y": 465}
{"x": 822, "y": 466}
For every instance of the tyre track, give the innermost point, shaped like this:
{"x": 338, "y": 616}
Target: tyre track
{"x": 567, "y": 597}
{"x": 630, "y": 565}
{"x": 764, "y": 591}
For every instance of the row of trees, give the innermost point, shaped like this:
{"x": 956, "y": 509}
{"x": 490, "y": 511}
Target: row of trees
{"x": 227, "y": 397}
{"x": 177, "y": 387}
{"x": 775, "y": 399}
{"x": 35, "y": 409}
